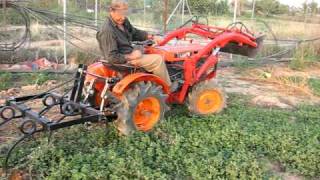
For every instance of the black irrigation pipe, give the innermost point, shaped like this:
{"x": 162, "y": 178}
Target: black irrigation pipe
{"x": 27, "y": 34}
{"x": 52, "y": 18}
{"x": 39, "y": 71}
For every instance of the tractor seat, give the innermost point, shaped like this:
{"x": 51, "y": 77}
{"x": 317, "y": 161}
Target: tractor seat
{"x": 125, "y": 68}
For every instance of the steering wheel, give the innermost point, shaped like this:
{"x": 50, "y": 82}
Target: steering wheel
{"x": 148, "y": 42}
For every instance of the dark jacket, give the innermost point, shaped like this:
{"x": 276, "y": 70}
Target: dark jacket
{"x": 115, "y": 43}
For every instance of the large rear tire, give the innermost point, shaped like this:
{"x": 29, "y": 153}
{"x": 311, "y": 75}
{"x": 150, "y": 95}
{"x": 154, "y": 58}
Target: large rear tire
{"x": 206, "y": 98}
{"x": 141, "y": 108}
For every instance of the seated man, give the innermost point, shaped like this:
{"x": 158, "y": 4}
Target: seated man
{"x": 115, "y": 39}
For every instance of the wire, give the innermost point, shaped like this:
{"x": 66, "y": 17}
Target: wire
{"x": 52, "y": 18}
{"x": 27, "y": 33}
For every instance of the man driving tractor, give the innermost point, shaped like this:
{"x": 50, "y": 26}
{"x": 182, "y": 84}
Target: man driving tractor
{"x": 115, "y": 39}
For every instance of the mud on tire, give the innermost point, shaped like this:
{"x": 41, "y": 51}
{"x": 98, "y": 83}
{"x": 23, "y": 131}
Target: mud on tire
{"x": 142, "y": 107}
{"x": 206, "y": 98}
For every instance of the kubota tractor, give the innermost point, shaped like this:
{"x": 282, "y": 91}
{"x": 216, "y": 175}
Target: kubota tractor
{"x": 131, "y": 97}
{"x": 139, "y": 99}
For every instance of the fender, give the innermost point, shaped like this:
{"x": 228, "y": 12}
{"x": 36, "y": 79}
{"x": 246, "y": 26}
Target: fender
{"x": 125, "y": 83}
{"x": 101, "y": 70}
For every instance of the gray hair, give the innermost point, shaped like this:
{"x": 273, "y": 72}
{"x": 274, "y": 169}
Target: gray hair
{"x": 115, "y": 4}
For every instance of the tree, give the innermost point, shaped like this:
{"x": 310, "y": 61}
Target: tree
{"x": 313, "y": 6}
{"x": 270, "y": 7}
{"x": 207, "y": 7}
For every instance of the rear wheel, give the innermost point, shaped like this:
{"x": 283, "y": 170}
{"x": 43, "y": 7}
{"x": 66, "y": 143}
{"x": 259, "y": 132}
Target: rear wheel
{"x": 206, "y": 98}
{"x": 142, "y": 107}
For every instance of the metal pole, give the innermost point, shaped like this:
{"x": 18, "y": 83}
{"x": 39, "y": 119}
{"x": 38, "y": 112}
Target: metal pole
{"x": 96, "y": 13}
{"x": 182, "y": 16}
{"x": 174, "y": 11}
{"x": 144, "y": 13}
{"x": 234, "y": 17}
{"x": 235, "y": 10}
{"x": 253, "y": 8}
{"x": 65, "y": 31}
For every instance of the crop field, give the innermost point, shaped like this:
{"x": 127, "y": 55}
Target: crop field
{"x": 246, "y": 141}
{"x": 243, "y": 142}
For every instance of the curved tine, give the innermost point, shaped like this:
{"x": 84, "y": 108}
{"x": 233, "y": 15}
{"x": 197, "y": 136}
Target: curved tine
{"x": 14, "y": 118}
{"x": 50, "y": 136}
{"x": 11, "y": 150}
{"x": 46, "y": 110}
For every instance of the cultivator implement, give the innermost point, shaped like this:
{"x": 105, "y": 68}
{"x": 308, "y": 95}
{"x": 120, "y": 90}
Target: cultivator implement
{"x": 73, "y": 106}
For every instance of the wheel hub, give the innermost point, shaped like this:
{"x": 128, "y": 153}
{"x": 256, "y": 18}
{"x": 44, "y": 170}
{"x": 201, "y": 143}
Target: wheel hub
{"x": 209, "y": 101}
{"x": 147, "y": 113}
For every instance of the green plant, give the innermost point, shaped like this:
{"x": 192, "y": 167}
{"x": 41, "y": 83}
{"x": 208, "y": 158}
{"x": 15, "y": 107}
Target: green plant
{"x": 241, "y": 62}
{"x": 315, "y": 86}
{"x": 5, "y": 80}
{"x": 233, "y": 145}
{"x": 305, "y": 55}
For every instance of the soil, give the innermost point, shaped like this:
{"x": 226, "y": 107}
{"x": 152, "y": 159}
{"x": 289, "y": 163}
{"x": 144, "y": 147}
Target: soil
{"x": 271, "y": 86}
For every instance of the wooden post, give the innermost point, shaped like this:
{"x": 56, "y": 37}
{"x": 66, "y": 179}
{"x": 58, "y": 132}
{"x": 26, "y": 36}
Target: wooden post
{"x": 165, "y": 16}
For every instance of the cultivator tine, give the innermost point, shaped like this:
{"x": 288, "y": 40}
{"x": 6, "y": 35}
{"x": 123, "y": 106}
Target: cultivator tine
{"x": 104, "y": 95}
{"x": 76, "y": 83}
{"x": 89, "y": 91}
{"x": 7, "y": 114}
{"x": 5, "y": 166}
{"x": 81, "y": 83}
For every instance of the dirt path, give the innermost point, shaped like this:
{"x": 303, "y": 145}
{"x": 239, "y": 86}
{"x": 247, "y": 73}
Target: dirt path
{"x": 272, "y": 86}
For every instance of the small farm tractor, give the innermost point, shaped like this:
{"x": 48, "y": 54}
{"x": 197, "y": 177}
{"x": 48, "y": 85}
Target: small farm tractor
{"x": 133, "y": 98}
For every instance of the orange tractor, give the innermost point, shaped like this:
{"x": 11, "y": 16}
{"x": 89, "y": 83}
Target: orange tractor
{"x": 132, "y": 97}
{"x": 139, "y": 99}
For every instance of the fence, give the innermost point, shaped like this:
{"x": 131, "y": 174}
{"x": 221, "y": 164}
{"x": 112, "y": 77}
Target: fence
{"x": 72, "y": 25}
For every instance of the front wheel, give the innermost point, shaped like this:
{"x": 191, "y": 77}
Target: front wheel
{"x": 141, "y": 108}
{"x": 206, "y": 98}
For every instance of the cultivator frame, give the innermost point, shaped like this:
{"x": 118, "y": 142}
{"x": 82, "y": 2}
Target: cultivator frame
{"x": 71, "y": 105}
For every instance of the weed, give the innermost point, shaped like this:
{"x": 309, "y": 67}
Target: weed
{"x": 315, "y": 86}
{"x": 305, "y": 55}
{"x": 5, "y": 80}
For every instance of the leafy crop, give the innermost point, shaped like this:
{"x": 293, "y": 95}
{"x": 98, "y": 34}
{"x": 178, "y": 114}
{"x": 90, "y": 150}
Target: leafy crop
{"x": 315, "y": 86}
{"x": 236, "y": 144}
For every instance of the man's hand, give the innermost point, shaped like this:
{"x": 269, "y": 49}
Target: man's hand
{"x": 136, "y": 54}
